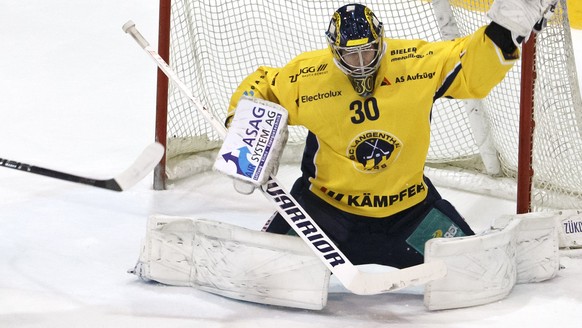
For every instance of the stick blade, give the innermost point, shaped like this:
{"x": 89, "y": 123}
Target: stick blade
{"x": 372, "y": 283}
{"x": 142, "y": 166}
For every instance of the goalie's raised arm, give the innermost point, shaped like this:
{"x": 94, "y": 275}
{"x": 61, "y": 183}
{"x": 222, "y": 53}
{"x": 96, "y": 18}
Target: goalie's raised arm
{"x": 255, "y": 140}
{"x": 521, "y": 17}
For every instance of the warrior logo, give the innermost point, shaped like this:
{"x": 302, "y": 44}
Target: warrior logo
{"x": 374, "y": 151}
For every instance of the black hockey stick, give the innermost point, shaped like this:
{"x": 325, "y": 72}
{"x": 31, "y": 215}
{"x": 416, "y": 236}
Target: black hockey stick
{"x": 123, "y": 181}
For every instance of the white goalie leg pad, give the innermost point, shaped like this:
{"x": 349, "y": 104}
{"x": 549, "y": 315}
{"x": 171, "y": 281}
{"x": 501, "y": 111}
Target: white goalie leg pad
{"x": 254, "y": 142}
{"x": 538, "y": 257}
{"x": 480, "y": 269}
{"x": 234, "y": 262}
{"x": 166, "y": 253}
{"x": 269, "y": 268}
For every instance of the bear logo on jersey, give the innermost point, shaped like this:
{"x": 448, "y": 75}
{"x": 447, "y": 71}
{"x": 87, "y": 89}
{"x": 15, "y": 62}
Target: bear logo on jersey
{"x": 374, "y": 151}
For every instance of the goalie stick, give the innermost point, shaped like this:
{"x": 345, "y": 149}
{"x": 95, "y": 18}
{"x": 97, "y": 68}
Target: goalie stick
{"x": 355, "y": 280}
{"x": 143, "y": 165}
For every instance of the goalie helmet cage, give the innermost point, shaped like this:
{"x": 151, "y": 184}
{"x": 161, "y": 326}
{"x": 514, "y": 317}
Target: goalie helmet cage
{"x": 214, "y": 44}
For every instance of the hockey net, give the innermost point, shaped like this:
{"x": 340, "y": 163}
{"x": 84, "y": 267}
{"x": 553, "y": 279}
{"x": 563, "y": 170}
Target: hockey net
{"x": 215, "y": 44}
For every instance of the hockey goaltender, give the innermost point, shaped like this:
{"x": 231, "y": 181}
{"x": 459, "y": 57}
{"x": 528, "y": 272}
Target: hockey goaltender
{"x": 362, "y": 197}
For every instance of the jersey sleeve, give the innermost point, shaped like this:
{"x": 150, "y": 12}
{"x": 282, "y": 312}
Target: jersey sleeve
{"x": 258, "y": 84}
{"x": 280, "y": 85}
{"x": 475, "y": 65}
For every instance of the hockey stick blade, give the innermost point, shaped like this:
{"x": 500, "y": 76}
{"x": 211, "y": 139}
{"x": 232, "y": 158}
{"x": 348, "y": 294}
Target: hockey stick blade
{"x": 143, "y": 165}
{"x": 372, "y": 283}
{"x": 355, "y": 280}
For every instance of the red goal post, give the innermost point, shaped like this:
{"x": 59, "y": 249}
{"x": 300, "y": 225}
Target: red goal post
{"x": 214, "y": 44}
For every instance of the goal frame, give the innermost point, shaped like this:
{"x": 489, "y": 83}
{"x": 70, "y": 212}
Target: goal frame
{"x": 526, "y": 127}
{"x": 526, "y": 120}
{"x": 161, "y": 128}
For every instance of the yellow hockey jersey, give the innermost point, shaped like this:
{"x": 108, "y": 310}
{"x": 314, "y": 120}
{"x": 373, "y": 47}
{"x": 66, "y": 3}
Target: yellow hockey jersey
{"x": 366, "y": 155}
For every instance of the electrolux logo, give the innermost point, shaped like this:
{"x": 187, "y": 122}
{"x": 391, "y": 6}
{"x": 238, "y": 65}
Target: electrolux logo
{"x": 320, "y": 96}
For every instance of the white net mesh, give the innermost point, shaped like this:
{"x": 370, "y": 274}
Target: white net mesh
{"x": 215, "y": 44}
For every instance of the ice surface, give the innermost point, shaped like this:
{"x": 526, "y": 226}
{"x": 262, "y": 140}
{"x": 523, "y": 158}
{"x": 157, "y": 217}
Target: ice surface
{"x": 78, "y": 95}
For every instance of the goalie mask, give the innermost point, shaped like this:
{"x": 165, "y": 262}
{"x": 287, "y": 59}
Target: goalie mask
{"x": 355, "y": 37}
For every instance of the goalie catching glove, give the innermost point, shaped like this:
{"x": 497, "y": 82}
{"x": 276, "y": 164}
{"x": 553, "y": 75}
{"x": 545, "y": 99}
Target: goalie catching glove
{"x": 521, "y": 17}
{"x": 254, "y": 142}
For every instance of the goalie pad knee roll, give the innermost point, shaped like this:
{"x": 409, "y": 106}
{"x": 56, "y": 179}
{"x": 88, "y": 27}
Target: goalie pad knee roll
{"x": 232, "y": 261}
{"x": 254, "y": 142}
{"x": 481, "y": 269}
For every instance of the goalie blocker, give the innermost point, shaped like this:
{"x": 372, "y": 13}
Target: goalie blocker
{"x": 254, "y": 142}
